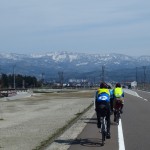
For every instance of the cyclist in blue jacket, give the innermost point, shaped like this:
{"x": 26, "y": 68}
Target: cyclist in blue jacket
{"x": 103, "y": 98}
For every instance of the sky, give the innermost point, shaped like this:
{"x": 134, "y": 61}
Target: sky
{"x": 84, "y": 26}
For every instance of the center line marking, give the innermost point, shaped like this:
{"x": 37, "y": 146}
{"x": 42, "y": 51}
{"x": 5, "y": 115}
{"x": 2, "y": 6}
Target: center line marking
{"x": 120, "y": 136}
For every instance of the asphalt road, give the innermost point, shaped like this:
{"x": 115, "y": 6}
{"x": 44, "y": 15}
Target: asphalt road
{"x": 135, "y": 126}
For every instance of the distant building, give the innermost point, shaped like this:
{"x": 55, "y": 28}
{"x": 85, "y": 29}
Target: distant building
{"x": 133, "y": 84}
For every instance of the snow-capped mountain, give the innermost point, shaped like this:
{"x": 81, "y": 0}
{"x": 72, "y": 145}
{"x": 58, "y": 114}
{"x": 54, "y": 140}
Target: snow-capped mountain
{"x": 70, "y": 63}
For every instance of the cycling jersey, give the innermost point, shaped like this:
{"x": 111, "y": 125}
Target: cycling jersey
{"x": 103, "y": 95}
{"x": 103, "y": 91}
{"x": 118, "y": 92}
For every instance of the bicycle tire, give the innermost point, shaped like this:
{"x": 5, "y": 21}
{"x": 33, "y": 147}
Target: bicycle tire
{"x": 117, "y": 117}
{"x": 103, "y": 131}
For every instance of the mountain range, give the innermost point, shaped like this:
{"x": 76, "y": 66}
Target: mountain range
{"x": 73, "y": 65}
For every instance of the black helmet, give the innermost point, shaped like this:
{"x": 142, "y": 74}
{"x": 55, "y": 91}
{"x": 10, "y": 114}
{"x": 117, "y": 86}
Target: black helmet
{"x": 118, "y": 85}
{"x": 103, "y": 85}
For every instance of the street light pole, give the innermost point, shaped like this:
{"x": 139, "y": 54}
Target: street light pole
{"x": 144, "y": 82}
{"x": 14, "y": 76}
{"x": 136, "y": 78}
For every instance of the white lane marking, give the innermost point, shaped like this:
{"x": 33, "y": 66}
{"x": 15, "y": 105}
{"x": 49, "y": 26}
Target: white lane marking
{"x": 135, "y": 94}
{"x": 144, "y": 91}
{"x": 142, "y": 98}
{"x": 131, "y": 92}
{"x": 120, "y": 136}
{"x": 145, "y": 99}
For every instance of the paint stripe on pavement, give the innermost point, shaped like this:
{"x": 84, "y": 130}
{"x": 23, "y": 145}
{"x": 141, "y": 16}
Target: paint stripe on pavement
{"x": 120, "y": 136}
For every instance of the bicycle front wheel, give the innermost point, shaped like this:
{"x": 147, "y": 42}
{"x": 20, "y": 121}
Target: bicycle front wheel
{"x": 103, "y": 134}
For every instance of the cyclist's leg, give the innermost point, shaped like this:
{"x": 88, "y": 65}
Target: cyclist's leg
{"x": 98, "y": 113}
{"x": 111, "y": 104}
{"x": 100, "y": 110}
{"x": 114, "y": 104}
{"x": 98, "y": 119}
{"x": 108, "y": 121}
{"x": 122, "y": 104}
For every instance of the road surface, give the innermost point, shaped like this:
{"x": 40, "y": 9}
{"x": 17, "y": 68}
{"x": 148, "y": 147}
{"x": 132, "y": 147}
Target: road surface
{"x": 133, "y": 132}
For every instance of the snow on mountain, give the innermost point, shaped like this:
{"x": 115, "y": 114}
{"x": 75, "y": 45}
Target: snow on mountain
{"x": 52, "y": 62}
{"x": 81, "y": 64}
{"x": 145, "y": 59}
{"x": 72, "y": 57}
{"x": 12, "y": 56}
{"x": 57, "y": 56}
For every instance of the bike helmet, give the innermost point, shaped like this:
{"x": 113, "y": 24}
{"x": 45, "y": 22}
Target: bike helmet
{"x": 118, "y": 85}
{"x": 103, "y": 85}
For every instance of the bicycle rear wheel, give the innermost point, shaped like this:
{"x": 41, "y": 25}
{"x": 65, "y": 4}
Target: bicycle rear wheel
{"x": 117, "y": 117}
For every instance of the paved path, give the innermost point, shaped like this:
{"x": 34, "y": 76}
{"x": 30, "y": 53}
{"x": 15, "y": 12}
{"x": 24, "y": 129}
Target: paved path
{"x": 135, "y": 126}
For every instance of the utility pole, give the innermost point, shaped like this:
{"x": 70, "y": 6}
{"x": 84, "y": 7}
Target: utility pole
{"x": 144, "y": 68}
{"x": 136, "y": 75}
{"x": 0, "y": 83}
{"x": 14, "y": 76}
{"x": 61, "y": 78}
{"x": 94, "y": 81}
{"x": 23, "y": 84}
{"x": 103, "y": 73}
{"x": 42, "y": 79}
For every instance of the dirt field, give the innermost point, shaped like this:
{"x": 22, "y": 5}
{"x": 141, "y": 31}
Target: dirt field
{"x": 26, "y": 122}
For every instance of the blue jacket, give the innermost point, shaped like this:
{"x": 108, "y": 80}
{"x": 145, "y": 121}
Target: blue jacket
{"x": 102, "y": 97}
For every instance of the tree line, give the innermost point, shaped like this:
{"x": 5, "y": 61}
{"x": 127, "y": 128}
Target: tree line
{"x": 18, "y": 81}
